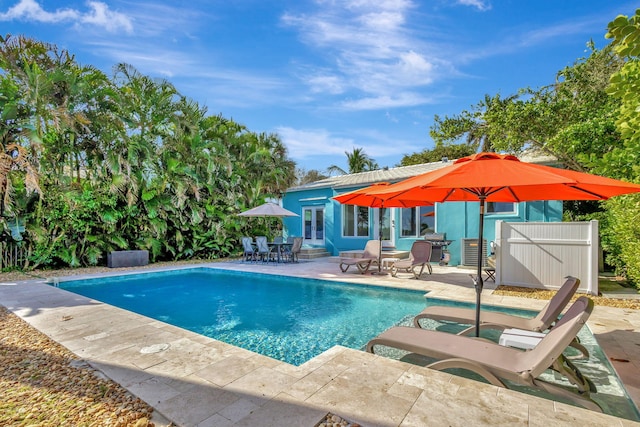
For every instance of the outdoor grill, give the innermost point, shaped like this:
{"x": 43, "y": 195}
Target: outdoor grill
{"x": 438, "y": 244}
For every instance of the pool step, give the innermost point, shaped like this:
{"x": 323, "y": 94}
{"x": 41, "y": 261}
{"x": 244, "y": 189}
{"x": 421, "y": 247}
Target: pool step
{"x": 313, "y": 253}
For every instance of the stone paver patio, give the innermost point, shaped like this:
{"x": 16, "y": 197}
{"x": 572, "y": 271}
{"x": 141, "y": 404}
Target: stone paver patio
{"x": 198, "y": 381}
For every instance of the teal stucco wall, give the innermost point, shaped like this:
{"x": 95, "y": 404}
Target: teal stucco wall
{"x": 458, "y": 220}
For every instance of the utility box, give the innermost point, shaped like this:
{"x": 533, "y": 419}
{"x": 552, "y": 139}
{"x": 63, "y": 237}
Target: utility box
{"x": 469, "y": 256}
{"x": 117, "y": 259}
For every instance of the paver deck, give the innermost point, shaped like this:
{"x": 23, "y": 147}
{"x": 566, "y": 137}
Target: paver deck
{"x": 193, "y": 380}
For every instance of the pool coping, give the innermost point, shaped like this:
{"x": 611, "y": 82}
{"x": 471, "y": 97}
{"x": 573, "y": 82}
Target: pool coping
{"x": 222, "y": 385}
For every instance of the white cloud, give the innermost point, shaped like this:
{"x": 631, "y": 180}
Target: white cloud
{"x": 29, "y": 10}
{"x": 154, "y": 19}
{"x": 299, "y": 141}
{"x": 98, "y": 16}
{"x": 517, "y": 41}
{"x": 479, "y": 4}
{"x": 551, "y": 33}
{"x": 309, "y": 144}
{"x": 326, "y": 84}
{"x": 369, "y": 47}
{"x": 146, "y": 57}
{"x": 382, "y": 145}
{"x": 101, "y": 16}
{"x": 399, "y": 100}
{"x": 391, "y": 117}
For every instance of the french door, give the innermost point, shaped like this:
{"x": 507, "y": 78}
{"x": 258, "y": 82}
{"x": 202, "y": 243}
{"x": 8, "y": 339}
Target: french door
{"x": 388, "y": 226}
{"x": 313, "y": 225}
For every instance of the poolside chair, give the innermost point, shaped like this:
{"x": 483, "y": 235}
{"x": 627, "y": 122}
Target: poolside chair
{"x": 249, "y": 253}
{"x": 369, "y": 255}
{"x": 263, "y": 251}
{"x": 419, "y": 256}
{"x": 490, "y": 269}
{"x": 501, "y": 321}
{"x": 291, "y": 252}
{"x": 497, "y": 363}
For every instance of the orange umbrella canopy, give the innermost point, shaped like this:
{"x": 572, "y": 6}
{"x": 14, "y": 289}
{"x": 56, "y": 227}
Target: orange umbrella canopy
{"x": 492, "y": 177}
{"x": 366, "y": 197}
{"x": 503, "y": 178}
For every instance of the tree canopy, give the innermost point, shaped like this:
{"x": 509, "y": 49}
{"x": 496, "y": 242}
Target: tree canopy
{"x": 438, "y": 153}
{"x": 587, "y": 118}
{"x": 123, "y": 162}
{"x": 357, "y": 160}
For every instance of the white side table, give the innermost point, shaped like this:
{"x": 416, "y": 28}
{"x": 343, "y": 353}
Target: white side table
{"x": 520, "y": 338}
{"x": 387, "y": 263}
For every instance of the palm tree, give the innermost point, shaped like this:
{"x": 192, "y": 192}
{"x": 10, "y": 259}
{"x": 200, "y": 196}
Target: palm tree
{"x": 357, "y": 160}
{"x": 28, "y": 109}
{"x": 147, "y": 107}
{"x": 307, "y": 176}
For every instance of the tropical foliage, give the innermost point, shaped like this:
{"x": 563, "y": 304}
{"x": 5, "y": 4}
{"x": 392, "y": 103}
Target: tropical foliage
{"x": 439, "y": 153}
{"x": 308, "y": 176}
{"x": 623, "y": 161}
{"x": 588, "y": 120}
{"x": 357, "y": 160}
{"x": 91, "y": 163}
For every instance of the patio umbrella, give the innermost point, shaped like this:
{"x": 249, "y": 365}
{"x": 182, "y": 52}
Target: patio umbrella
{"x": 364, "y": 197}
{"x": 492, "y": 177}
{"x": 268, "y": 209}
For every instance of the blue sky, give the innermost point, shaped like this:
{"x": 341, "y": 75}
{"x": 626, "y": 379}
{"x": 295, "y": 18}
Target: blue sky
{"x": 328, "y": 75}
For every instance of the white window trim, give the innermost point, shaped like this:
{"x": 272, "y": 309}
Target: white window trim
{"x": 355, "y": 225}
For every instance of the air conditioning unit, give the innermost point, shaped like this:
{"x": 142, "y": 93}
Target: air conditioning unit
{"x": 470, "y": 252}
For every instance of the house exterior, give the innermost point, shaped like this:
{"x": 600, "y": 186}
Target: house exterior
{"x": 323, "y": 222}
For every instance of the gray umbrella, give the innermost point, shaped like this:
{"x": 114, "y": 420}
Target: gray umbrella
{"x": 268, "y": 209}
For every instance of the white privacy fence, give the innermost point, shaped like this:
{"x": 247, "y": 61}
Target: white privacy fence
{"x": 541, "y": 254}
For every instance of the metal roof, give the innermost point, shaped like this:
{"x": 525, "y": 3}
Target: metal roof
{"x": 371, "y": 177}
{"x": 392, "y": 175}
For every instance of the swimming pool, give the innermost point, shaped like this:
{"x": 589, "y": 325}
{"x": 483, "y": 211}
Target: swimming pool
{"x": 294, "y": 319}
{"x": 287, "y": 318}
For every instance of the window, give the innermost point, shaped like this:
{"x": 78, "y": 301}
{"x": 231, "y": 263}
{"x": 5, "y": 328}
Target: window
{"x": 355, "y": 221}
{"x": 417, "y": 221}
{"x": 501, "y": 208}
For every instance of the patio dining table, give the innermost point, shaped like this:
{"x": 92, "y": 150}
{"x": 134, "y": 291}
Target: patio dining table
{"x": 279, "y": 246}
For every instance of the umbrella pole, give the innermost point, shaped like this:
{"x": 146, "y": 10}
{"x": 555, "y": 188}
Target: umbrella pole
{"x": 478, "y": 282}
{"x": 379, "y": 272}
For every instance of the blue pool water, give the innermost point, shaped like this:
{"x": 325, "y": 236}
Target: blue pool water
{"x": 287, "y": 318}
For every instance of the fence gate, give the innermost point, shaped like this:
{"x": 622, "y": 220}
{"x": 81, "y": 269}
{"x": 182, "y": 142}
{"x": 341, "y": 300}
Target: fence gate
{"x": 13, "y": 255}
{"x": 541, "y": 254}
